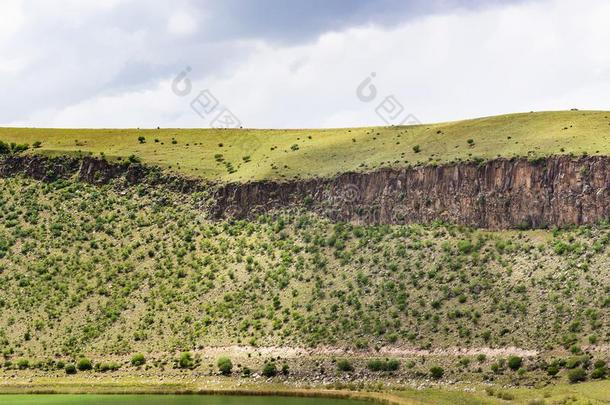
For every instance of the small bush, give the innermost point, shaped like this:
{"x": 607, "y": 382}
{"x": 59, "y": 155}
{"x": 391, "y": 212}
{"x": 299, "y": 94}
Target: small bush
{"x": 269, "y": 369}
{"x": 552, "y": 370}
{"x": 5, "y": 148}
{"x": 344, "y": 365}
{"x": 437, "y": 372}
{"x": 70, "y": 369}
{"x": 383, "y": 365}
{"x": 577, "y": 375}
{"x": 225, "y": 365}
{"x": 186, "y": 360}
{"x": 138, "y": 359}
{"x": 416, "y": 149}
{"x": 599, "y": 373}
{"x": 84, "y": 364}
{"x": 22, "y": 364}
{"x": 141, "y": 139}
{"x": 515, "y": 362}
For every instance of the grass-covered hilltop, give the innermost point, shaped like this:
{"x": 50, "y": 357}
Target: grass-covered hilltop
{"x": 116, "y": 282}
{"x": 244, "y": 154}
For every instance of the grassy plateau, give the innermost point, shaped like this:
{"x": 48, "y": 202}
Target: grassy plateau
{"x": 254, "y": 154}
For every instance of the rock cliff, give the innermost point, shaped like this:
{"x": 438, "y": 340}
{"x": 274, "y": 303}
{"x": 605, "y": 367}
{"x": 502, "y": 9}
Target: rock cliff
{"x": 498, "y": 194}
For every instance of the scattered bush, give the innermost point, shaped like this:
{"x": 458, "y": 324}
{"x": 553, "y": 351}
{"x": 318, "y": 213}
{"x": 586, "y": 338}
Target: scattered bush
{"x": 577, "y": 375}
{"x": 138, "y": 359}
{"x": 186, "y": 360}
{"x": 269, "y": 369}
{"x": 225, "y": 365}
{"x": 344, "y": 365}
{"x": 437, "y": 372}
{"x": 599, "y": 373}
{"x": 515, "y": 362}
{"x": 84, "y": 364}
{"x": 22, "y": 364}
{"x": 552, "y": 370}
{"x": 70, "y": 369}
{"x": 383, "y": 365}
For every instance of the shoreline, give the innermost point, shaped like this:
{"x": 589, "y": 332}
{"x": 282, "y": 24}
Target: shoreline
{"x": 161, "y": 389}
{"x": 593, "y": 392}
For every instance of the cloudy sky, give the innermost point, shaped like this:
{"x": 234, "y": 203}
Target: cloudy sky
{"x": 283, "y": 64}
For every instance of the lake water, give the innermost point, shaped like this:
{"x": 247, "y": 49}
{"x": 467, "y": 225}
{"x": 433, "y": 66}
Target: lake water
{"x": 61, "y": 399}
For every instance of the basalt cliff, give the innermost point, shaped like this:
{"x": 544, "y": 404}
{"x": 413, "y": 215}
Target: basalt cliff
{"x": 497, "y": 194}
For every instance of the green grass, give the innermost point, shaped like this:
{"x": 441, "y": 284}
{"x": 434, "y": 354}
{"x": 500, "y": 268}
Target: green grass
{"x": 87, "y": 270}
{"x": 585, "y": 393}
{"x": 303, "y": 153}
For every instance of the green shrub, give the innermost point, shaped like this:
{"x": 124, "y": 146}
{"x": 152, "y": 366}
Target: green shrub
{"x": 186, "y": 360}
{"x": 383, "y": 365}
{"x": 138, "y": 359}
{"x": 599, "y": 373}
{"x": 515, "y": 362}
{"x": 269, "y": 369}
{"x": 437, "y": 372}
{"x": 70, "y": 369}
{"x": 84, "y": 364}
{"x": 225, "y": 365}
{"x": 375, "y": 365}
{"x": 576, "y": 375}
{"x": 344, "y": 365}
{"x": 104, "y": 367}
{"x": 22, "y": 364}
{"x": 552, "y": 370}
{"x": 5, "y": 149}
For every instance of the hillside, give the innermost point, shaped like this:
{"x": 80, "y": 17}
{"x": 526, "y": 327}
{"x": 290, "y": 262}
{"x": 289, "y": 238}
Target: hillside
{"x": 244, "y": 155}
{"x": 354, "y": 258}
{"x": 89, "y": 270}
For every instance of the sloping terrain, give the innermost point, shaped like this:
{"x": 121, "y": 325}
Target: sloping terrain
{"x": 377, "y": 253}
{"x": 245, "y": 155}
{"x": 88, "y": 269}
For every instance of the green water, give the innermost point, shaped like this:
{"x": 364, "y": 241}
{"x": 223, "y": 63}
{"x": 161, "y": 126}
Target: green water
{"x": 61, "y": 399}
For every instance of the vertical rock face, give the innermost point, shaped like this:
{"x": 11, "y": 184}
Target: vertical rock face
{"x": 498, "y": 194}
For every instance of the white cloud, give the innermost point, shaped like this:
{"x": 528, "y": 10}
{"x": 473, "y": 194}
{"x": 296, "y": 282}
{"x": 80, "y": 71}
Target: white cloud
{"x": 528, "y": 56}
{"x": 182, "y": 23}
{"x": 11, "y": 18}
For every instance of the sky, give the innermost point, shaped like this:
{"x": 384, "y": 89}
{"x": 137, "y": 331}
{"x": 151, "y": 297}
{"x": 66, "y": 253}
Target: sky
{"x": 295, "y": 64}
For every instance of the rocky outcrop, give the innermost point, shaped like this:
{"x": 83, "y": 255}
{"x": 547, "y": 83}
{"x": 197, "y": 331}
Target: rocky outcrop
{"x": 94, "y": 171}
{"x": 498, "y": 194}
